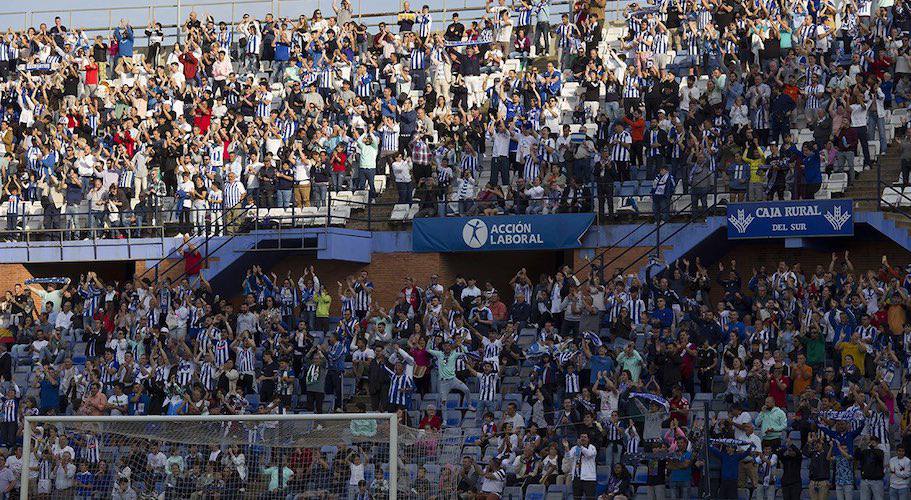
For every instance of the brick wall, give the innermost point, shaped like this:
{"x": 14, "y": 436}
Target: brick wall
{"x": 865, "y": 255}
{"x": 12, "y": 274}
{"x": 388, "y": 271}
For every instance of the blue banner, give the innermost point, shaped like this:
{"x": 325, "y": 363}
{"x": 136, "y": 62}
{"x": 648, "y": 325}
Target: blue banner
{"x": 484, "y": 37}
{"x": 519, "y": 232}
{"x": 791, "y": 219}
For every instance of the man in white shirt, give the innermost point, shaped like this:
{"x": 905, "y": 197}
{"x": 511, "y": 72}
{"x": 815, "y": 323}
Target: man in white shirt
{"x": 64, "y": 319}
{"x": 499, "y": 164}
{"x": 583, "y": 470}
{"x": 899, "y": 473}
{"x": 749, "y": 474}
{"x": 118, "y": 401}
{"x": 156, "y": 460}
{"x": 535, "y": 195}
{"x": 513, "y": 417}
{"x": 740, "y": 419}
{"x": 97, "y": 197}
{"x": 302, "y": 182}
{"x": 494, "y": 478}
{"x": 470, "y": 292}
{"x": 62, "y": 449}
{"x": 859, "y": 110}
{"x": 64, "y": 474}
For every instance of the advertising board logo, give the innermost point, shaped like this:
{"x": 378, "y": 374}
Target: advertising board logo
{"x": 474, "y": 233}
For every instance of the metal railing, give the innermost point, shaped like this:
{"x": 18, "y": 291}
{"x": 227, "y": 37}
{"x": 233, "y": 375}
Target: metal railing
{"x": 163, "y": 221}
{"x": 653, "y": 234}
{"x": 102, "y": 20}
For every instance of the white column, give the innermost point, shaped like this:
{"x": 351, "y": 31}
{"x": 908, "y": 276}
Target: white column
{"x": 26, "y": 459}
{"x": 393, "y": 457}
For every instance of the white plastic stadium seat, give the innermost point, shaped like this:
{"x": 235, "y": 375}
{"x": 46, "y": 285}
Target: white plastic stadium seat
{"x": 891, "y": 196}
{"x": 838, "y": 182}
{"x": 399, "y": 211}
{"x": 340, "y": 215}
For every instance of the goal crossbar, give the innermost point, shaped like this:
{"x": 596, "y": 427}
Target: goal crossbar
{"x": 27, "y": 431}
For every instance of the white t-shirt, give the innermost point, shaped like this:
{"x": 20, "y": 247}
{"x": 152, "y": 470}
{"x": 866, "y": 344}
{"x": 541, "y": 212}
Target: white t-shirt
{"x": 15, "y": 464}
{"x": 495, "y": 484}
{"x": 899, "y": 472}
{"x": 535, "y": 192}
{"x": 365, "y": 355}
{"x": 357, "y": 473}
{"x": 116, "y": 400}
{"x": 64, "y": 319}
{"x": 402, "y": 171}
{"x": 734, "y": 386}
{"x": 743, "y": 418}
{"x": 858, "y": 115}
{"x": 157, "y": 461}
{"x": 587, "y": 470}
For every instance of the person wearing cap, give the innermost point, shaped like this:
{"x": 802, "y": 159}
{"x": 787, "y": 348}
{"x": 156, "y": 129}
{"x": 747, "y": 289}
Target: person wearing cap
{"x": 454, "y": 30}
{"x": 446, "y": 369}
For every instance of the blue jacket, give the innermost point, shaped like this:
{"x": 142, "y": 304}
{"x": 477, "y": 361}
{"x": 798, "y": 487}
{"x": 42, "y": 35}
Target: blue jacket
{"x": 842, "y": 331}
{"x": 124, "y": 41}
{"x": 811, "y": 170}
{"x": 846, "y": 438}
{"x": 730, "y": 464}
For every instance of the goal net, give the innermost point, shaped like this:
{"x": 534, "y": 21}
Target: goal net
{"x": 334, "y": 456}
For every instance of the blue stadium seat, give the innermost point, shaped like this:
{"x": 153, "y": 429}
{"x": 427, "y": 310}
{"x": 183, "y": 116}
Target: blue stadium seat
{"x": 534, "y": 492}
{"x": 512, "y": 493}
{"x": 644, "y": 189}
{"x": 472, "y": 451}
{"x": 453, "y": 418}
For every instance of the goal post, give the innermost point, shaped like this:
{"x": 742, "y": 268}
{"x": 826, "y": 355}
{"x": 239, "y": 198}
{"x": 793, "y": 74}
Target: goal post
{"x": 242, "y": 456}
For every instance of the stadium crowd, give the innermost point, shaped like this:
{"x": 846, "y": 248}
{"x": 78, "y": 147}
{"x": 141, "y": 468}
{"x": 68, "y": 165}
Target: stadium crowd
{"x": 508, "y": 113}
{"x": 692, "y": 381}
{"x": 806, "y": 369}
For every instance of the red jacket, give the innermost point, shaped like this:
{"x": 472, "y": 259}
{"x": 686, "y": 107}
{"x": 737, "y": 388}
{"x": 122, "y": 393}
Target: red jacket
{"x": 190, "y": 64}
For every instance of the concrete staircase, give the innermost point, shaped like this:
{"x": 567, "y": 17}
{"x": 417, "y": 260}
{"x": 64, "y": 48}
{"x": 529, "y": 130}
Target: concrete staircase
{"x": 380, "y": 212}
{"x": 865, "y": 189}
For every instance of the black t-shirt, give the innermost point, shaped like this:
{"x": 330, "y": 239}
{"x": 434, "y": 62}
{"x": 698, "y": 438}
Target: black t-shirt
{"x": 268, "y": 370}
{"x": 100, "y": 52}
{"x": 724, "y": 18}
{"x": 870, "y": 461}
{"x": 454, "y": 31}
{"x": 456, "y": 290}
{"x": 281, "y": 183}
{"x": 673, "y": 16}
{"x": 705, "y": 356}
{"x": 592, "y": 87}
